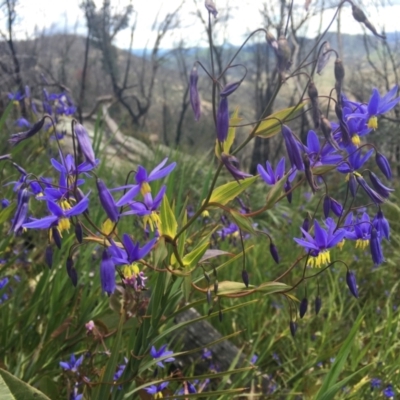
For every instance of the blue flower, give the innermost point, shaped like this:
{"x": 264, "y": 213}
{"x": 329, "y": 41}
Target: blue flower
{"x": 156, "y": 390}
{"x": 269, "y": 175}
{"x": 162, "y": 352}
{"x": 320, "y": 156}
{"x": 375, "y": 383}
{"x": 378, "y": 105}
{"x": 388, "y": 392}
{"x": 73, "y": 364}
{"x": 318, "y": 247}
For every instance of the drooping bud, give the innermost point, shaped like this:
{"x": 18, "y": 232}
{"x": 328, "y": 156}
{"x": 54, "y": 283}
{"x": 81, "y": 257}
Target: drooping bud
{"x": 292, "y": 148}
{"x": 283, "y": 55}
{"x": 222, "y": 120}
{"x": 359, "y": 16}
{"x": 245, "y": 278}
{"x": 306, "y": 224}
{"x": 209, "y": 4}
{"x": 107, "y": 201}
{"x": 326, "y": 129}
{"x": 318, "y": 304}
{"x": 229, "y": 88}
{"x": 107, "y": 273}
{"x": 271, "y": 40}
{"x": 220, "y": 315}
{"x": 19, "y": 137}
{"x": 232, "y": 165}
{"x": 324, "y": 56}
{"x": 339, "y": 76}
{"x": 351, "y": 283}
{"x": 313, "y": 95}
{"x": 381, "y": 224}
{"x": 21, "y": 212}
{"x": 71, "y": 271}
{"x": 79, "y": 232}
{"x": 194, "y": 93}
{"x": 336, "y": 207}
{"x": 383, "y": 164}
{"x": 327, "y": 206}
{"x": 216, "y": 287}
{"x": 303, "y": 307}
{"x": 383, "y": 190}
{"x": 352, "y": 184}
{"x": 56, "y": 236}
{"x": 274, "y": 252}
{"x": 48, "y": 256}
{"x": 344, "y": 130}
{"x": 84, "y": 143}
{"x": 375, "y": 247}
{"x": 288, "y": 190}
{"x": 293, "y": 328}
{"x": 208, "y": 296}
{"x": 309, "y": 174}
{"x": 374, "y": 196}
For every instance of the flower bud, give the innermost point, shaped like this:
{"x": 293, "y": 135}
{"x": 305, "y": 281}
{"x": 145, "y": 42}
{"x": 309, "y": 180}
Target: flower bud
{"x": 375, "y": 247}
{"x": 19, "y": 137}
{"x": 209, "y": 296}
{"x": 303, "y": 307}
{"x": 216, "y": 287}
{"x": 351, "y": 283}
{"x": 48, "y": 256}
{"x": 318, "y": 304}
{"x": 374, "y": 196}
{"x": 84, "y": 143}
{"x": 383, "y": 164}
{"x": 383, "y": 190}
{"x": 293, "y": 328}
{"x": 336, "y": 207}
{"x": 283, "y": 54}
{"x": 381, "y": 224}
{"x": 56, "y": 236}
{"x": 245, "y": 278}
{"x": 107, "y": 273}
{"x": 274, "y": 252}
{"x": 306, "y": 224}
{"x": 326, "y": 129}
{"x": 271, "y": 40}
{"x": 313, "y": 94}
{"x": 339, "y": 71}
{"x": 79, "y": 232}
{"x": 309, "y": 174}
{"x": 292, "y": 148}
{"x": 352, "y": 184}
{"x": 327, "y": 206}
{"x": 107, "y": 201}
{"x": 194, "y": 94}
{"x": 229, "y": 88}
{"x": 222, "y": 120}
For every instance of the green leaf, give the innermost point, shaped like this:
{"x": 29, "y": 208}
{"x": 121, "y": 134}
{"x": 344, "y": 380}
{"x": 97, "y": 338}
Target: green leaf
{"x": 225, "y": 193}
{"x": 243, "y": 222}
{"x": 6, "y": 213}
{"x": 231, "y": 287}
{"x": 169, "y": 226}
{"x": 12, "y": 388}
{"x": 272, "y": 287}
{"x": 191, "y": 259}
{"x": 271, "y": 126}
{"x": 322, "y": 169}
{"x": 325, "y": 390}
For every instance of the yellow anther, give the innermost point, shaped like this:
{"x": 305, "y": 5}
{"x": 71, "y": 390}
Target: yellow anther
{"x": 373, "y": 122}
{"x": 153, "y": 220}
{"x": 130, "y": 270}
{"x": 356, "y": 140}
{"x": 205, "y": 214}
{"x": 107, "y": 227}
{"x": 341, "y": 244}
{"x": 64, "y": 204}
{"x": 63, "y": 225}
{"x": 362, "y": 243}
{"x": 323, "y": 258}
{"x": 145, "y": 188}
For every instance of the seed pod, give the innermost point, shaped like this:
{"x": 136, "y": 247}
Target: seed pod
{"x": 351, "y": 283}
{"x": 245, "y": 278}
{"x": 358, "y": 14}
{"x": 208, "y": 296}
{"x": 326, "y": 129}
{"x": 339, "y": 71}
{"x": 283, "y": 54}
{"x": 271, "y": 40}
{"x": 293, "y": 328}
{"x": 318, "y": 304}
{"x": 48, "y": 256}
{"x": 194, "y": 93}
{"x": 303, "y": 307}
{"x": 324, "y": 56}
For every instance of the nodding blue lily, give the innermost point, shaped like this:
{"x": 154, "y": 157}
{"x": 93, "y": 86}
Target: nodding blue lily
{"x": 323, "y": 240}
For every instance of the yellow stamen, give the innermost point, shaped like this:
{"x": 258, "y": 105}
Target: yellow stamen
{"x": 356, "y": 140}
{"x": 63, "y": 225}
{"x": 130, "y": 271}
{"x": 362, "y": 243}
{"x": 64, "y": 204}
{"x": 158, "y": 395}
{"x": 153, "y": 220}
{"x": 323, "y": 258}
{"x": 107, "y": 227}
{"x": 373, "y": 122}
{"x": 145, "y": 188}
{"x": 341, "y": 244}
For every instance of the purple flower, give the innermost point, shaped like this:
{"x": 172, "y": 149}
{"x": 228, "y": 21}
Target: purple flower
{"x": 389, "y": 392}
{"x": 383, "y": 164}
{"x": 351, "y": 283}
{"x": 107, "y": 201}
{"x": 232, "y": 165}
{"x": 380, "y": 188}
{"x": 375, "y": 247}
{"x": 22, "y": 211}
{"x": 19, "y": 137}
{"x": 303, "y": 307}
{"x": 269, "y": 175}
{"x": 161, "y": 353}
{"x": 381, "y": 224}
{"x": 318, "y": 247}
{"x": 292, "y": 148}
{"x": 375, "y": 383}
{"x": 73, "y": 364}
{"x": 155, "y": 389}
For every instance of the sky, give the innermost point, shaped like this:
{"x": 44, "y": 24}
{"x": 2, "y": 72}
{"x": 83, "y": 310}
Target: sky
{"x": 53, "y": 16}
